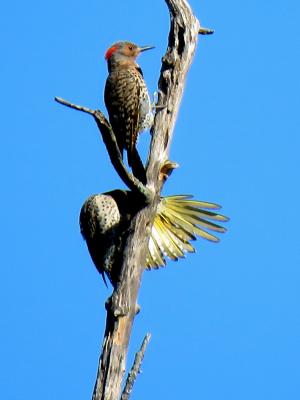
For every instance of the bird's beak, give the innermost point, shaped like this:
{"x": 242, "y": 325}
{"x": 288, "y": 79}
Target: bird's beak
{"x": 144, "y": 48}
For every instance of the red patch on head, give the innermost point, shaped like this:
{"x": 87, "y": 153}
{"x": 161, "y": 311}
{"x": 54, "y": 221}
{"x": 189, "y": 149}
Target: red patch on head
{"x": 110, "y": 52}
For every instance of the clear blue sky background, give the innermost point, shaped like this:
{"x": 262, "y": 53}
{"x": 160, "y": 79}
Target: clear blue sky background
{"x": 225, "y": 322}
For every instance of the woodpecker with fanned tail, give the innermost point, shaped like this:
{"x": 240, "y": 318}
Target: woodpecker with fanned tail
{"x": 105, "y": 220}
{"x": 127, "y": 100}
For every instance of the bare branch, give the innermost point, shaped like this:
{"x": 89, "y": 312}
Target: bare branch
{"x": 135, "y": 370}
{"x": 110, "y": 142}
{"x": 74, "y": 106}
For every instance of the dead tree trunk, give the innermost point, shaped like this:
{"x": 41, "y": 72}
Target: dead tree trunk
{"x": 122, "y": 308}
{"x": 122, "y": 305}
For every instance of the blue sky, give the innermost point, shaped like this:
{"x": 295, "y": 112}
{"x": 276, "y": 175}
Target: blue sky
{"x": 225, "y": 321}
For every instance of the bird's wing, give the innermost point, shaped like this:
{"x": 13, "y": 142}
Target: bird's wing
{"x": 155, "y": 257}
{"x": 177, "y": 222}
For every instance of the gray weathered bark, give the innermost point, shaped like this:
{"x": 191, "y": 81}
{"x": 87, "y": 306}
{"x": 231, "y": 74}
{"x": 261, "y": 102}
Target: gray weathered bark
{"x": 122, "y": 306}
{"x": 135, "y": 370}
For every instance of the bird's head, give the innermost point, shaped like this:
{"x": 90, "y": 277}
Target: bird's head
{"x": 124, "y": 53}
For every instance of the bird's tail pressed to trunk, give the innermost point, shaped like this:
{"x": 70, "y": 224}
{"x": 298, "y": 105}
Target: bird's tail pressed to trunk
{"x": 135, "y": 162}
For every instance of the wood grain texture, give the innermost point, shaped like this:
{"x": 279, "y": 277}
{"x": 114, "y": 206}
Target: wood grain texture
{"x": 121, "y": 309}
{"x": 122, "y": 305}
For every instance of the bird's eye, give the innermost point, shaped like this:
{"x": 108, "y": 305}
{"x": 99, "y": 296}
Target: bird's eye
{"x": 130, "y": 48}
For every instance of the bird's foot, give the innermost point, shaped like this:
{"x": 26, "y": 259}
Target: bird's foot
{"x": 154, "y": 104}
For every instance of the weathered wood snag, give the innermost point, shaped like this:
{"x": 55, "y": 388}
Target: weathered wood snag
{"x": 122, "y": 305}
{"x": 183, "y": 38}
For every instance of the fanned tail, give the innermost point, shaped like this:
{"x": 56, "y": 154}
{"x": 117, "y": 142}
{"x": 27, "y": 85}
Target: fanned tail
{"x": 178, "y": 221}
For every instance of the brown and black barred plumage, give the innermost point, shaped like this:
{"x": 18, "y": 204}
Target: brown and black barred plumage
{"x": 126, "y": 97}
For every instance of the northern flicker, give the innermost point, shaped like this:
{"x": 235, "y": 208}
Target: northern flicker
{"x": 127, "y": 99}
{"x": 105, "y": 219}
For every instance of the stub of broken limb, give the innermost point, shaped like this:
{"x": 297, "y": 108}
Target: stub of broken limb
{"x": 205, "y": 31}
{"x": 166, "y": 169}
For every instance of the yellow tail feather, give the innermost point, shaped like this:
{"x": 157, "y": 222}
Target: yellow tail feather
{"x": 178, "y": 221}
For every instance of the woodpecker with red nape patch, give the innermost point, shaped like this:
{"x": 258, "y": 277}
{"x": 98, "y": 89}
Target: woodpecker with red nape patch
{"x": 127, "y": 100}
{"x": 105, "y": 220}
